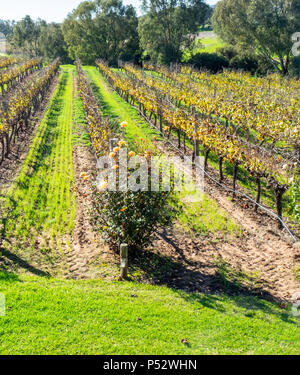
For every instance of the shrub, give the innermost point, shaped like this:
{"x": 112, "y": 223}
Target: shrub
{"x": 210, "y": 61}
{"x": 245, "y": 62}
{"x": 131, "y": 217}
{"x": 227, "y": 52}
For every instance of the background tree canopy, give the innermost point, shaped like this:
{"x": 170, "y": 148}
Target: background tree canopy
{"x": 37, "y": 38}
{"x": 257, "y": 33}
{"x": 6, "y": 27}
{"x": 166, "y": 28}
{"x": 264, "y": 26}
{"x": 102, "y": 29}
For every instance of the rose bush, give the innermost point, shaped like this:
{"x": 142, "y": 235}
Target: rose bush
{"x": 131, "y": 217}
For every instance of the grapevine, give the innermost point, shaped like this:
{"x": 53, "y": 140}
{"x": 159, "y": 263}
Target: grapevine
{"x": 213, "y": 138}
{"x": 16, "y": 110}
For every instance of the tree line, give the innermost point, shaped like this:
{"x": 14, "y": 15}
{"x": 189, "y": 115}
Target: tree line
{"x": 257, "y": 33}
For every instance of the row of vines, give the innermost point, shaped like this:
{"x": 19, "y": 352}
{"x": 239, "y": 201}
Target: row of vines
{"x": 16, "y": 109}
{"x": 17, "y": 73}
{"x": 270, "y": 166}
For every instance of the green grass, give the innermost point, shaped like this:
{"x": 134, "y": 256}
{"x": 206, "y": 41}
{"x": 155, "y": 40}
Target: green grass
{"x": 118, "y": 110}
{"x": 47, "y": 316}
{"x": 208, "y": 43}
{"x": 202, "y": 217}
{"x": 42, "y": 201}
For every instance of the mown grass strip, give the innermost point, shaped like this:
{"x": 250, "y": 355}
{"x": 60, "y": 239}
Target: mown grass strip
{"x": 48, "y": 316}
{"x": 116, "y": 108}
{"x": 42, "y": 200}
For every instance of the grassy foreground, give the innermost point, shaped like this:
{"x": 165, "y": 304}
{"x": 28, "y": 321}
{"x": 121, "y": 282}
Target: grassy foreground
{"x": 47, "y": 316}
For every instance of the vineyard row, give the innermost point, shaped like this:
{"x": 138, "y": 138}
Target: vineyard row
{"x": 204, "y": 131}
{"x": 16, "y": 111}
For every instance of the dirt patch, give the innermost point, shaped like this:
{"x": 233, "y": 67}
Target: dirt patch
{"x": 88, "y": 257}
{"x": 87, "y": 253}
{"x": 254, "y": 267}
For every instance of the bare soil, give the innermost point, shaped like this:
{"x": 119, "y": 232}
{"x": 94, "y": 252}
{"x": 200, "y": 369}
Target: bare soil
{"x": 88, "y": 255}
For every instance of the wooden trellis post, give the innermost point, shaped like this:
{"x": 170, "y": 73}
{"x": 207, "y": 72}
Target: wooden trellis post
{"x": 124, "y": 261}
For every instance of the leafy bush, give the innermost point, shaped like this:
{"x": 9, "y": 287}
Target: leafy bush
{"x": 228, "y": 52}
{"x": 264, "y": 66}
{"x": 245, "y": 62}
{"x": 131, "y": 217}
{"x": 210, "y": 61}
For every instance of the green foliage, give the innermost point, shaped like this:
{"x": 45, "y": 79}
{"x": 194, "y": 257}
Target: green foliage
{"x": 26, "y": 35}
{"x": 229, "y": 52}
{"x": 210, "y": 61}
{"x": 244, "y": 62}
{"x": 102, "y": 29}
{"x": 295, "y": 198}
{"x": 52, "y": 43}
{"x": 266, "y": 27}
{"x": 132, "y": 217}
{"x": 165, "y": 30}
{"x": 37, "y": 38}
{"x": 6, "y": 27}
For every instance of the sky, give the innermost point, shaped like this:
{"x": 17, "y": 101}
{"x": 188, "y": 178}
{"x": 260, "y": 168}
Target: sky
{"x": 51, "y": 11}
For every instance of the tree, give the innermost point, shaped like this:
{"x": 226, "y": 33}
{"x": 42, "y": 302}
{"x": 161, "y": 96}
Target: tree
{"x": 102, "y": 29}
{"x": 167, "y": 27}
{"x": 52, "y": 44}
{"x": 25, "y": 37}
{"x": 266, "y": 27}
{"x": 37, "y": 38}
{"x": 6, "y": 27}
{"x": 207, "y": 19}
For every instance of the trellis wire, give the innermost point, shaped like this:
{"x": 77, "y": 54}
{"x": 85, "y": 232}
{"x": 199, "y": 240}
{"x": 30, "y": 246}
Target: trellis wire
{"x": 269, "y": 211}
